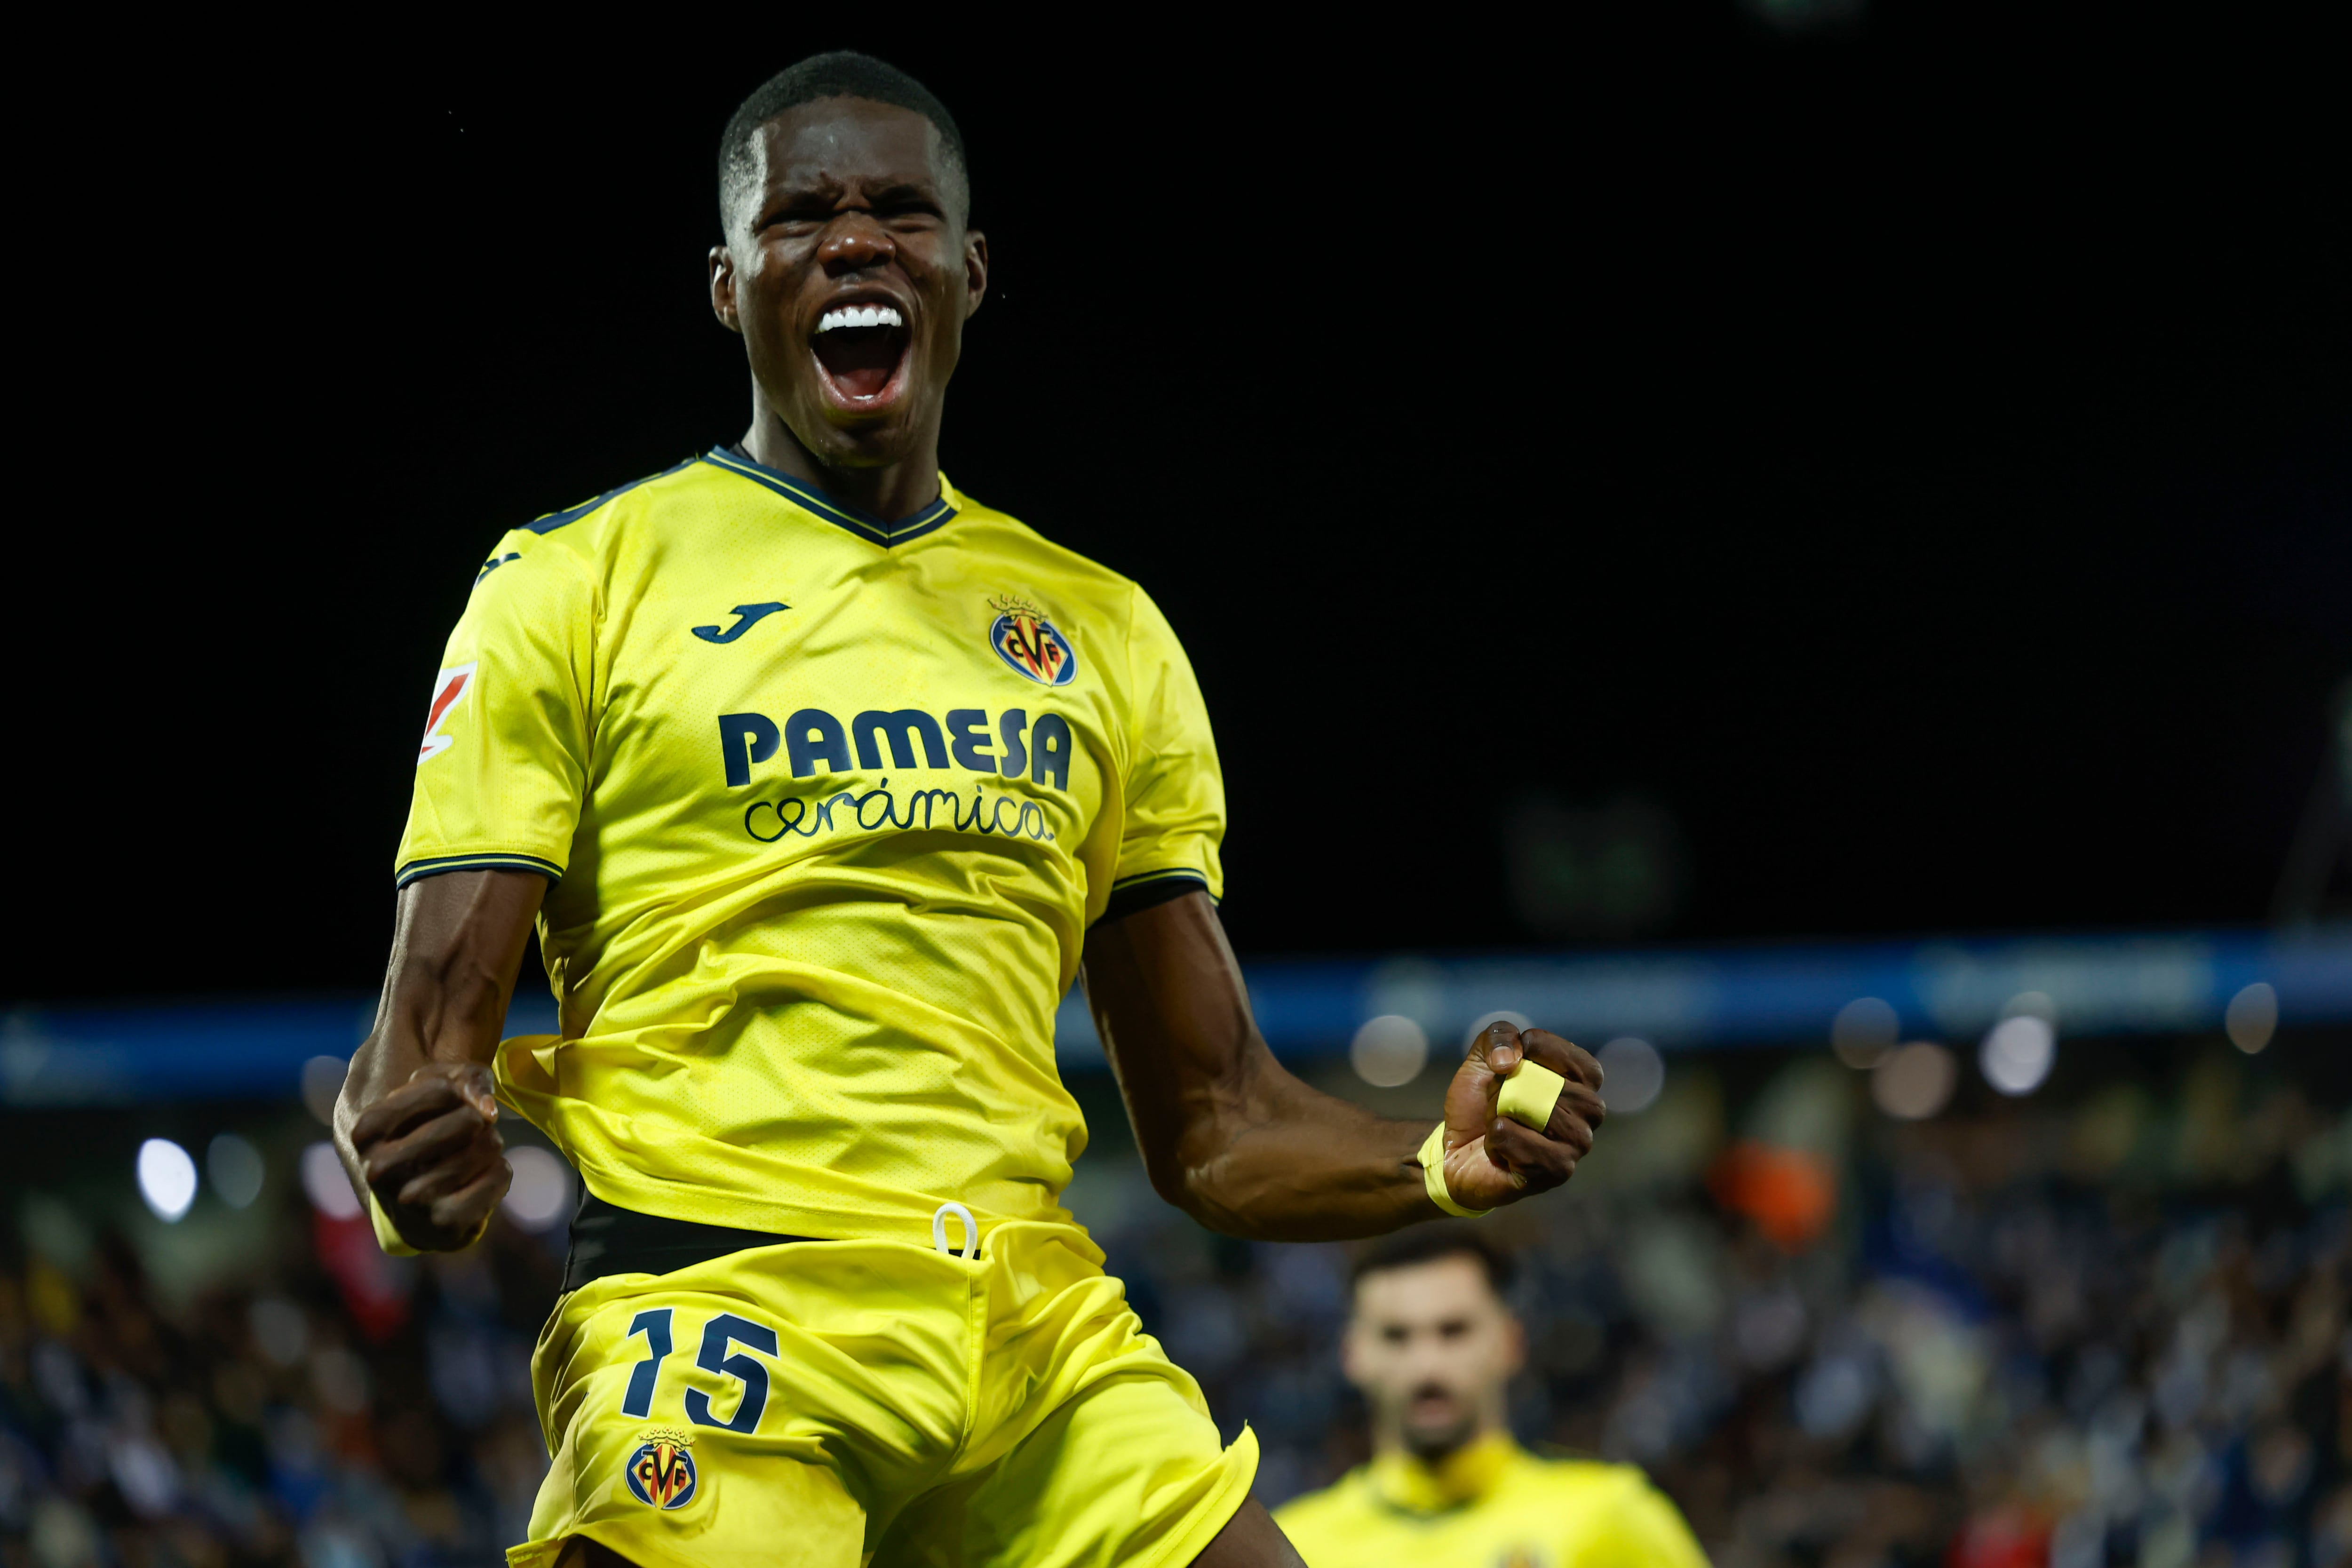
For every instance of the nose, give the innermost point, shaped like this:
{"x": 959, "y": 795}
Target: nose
{"x": 857, "y": 243}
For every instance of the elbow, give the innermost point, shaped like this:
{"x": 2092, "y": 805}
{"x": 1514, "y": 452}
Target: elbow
{"x": 1179, "y": 1185}
{"x": 1206, "y": 1183}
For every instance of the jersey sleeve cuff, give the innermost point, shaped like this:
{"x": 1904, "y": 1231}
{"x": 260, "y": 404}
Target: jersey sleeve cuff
{"x": 1131, "y": 895}
{"x": 488, "y": 860}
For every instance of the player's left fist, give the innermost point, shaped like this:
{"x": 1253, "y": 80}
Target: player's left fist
{"x": 1490, "y": 1158}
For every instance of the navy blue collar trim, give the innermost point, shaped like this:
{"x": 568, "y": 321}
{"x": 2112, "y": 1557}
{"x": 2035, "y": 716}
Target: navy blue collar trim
{"x": 555, "y": 519}
{"x": 856, "y": 519}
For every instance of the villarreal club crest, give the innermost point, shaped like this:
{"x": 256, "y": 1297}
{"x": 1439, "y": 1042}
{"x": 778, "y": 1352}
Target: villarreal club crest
{"x": 661, "y": 1472}
{"x": 1024, "y": 638}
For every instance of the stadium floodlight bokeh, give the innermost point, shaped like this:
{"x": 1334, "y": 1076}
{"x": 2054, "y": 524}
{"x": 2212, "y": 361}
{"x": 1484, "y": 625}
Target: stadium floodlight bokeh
{"x": 323, "y": 1182}
{"x": 2252, "y": 1018}
{"x": 235, "y": 1169}
{"x": 1636, "y": 1075}
{"x": 1390, "y": 1049}
{"x": 167, "y": 1179}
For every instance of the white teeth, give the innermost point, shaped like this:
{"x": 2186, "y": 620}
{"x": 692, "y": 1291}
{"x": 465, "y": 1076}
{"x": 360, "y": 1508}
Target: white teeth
{"x": 860, "y": 316}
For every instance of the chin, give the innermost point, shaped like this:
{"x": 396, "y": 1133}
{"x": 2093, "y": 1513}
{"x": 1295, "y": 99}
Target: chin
{"x": 869, "y": 444}
{"x": 1435, "y": 1442}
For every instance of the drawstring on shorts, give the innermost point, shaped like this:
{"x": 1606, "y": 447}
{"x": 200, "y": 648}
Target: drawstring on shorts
{"x": 971, "y": 1246}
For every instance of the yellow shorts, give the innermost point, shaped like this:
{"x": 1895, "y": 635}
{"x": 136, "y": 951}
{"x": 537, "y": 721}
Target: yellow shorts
{"x": 839, "y": 1403}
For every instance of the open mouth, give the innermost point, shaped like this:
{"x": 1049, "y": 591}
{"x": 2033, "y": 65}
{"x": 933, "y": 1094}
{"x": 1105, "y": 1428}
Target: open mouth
{"x": 860, "y": 349}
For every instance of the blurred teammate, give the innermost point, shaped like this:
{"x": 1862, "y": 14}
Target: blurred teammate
{"x": 818, "y": 777}
{"x": 1434, "y": 1347}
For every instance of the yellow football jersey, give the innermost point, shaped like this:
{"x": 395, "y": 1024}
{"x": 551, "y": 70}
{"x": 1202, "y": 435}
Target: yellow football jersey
{"x": 828, "y": 804}
{"x": 1492, "y": 1505}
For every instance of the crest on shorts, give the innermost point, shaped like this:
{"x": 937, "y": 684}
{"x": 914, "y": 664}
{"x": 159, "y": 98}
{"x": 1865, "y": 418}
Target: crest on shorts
{"x": 1024, "y": 638}
{"x": 661, "y": 1472}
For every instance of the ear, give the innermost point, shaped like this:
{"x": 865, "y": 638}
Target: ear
{"x": 975, "y": 270}
{"x": 722, "y": 288}
{"x": 1351, "y": 1366}
{"x": 1515, "y": 1345}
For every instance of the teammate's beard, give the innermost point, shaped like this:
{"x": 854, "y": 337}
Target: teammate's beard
{"x": 1431, "y": 1444}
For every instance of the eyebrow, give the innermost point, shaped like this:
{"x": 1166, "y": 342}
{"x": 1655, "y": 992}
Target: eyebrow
{"x": 833, "y": 185}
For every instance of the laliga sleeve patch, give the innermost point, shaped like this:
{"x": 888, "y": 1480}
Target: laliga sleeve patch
{"x": 1529, "y": 1094}
{"x": 449, "y": 692}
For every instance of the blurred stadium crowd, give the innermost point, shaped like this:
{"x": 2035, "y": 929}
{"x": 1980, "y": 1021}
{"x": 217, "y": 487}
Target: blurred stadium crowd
{"x": 2107, "y": 1324}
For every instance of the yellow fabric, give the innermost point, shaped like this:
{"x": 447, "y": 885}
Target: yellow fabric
{"x": 1491, "y": 1505}
{"x": 920, "y": 1408}
{"x": 1433, "y": 1176}
{"x": 831, "y": 805}
{"x": 390, "y": 1239}
{"x": 1529, "y": 1094}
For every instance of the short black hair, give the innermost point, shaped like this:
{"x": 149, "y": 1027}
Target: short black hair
{"x": 1428, "y": 1243}
{"x": 841, "y": 73}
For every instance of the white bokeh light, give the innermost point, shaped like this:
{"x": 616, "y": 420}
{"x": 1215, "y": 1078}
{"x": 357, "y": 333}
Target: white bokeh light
{"x": 167, "y": 1179}
{"x": 1863, "y": 1031}
{"x": 2252, "y": 1018}
{"x": 322, "y": 1081}
{"x": 1389, "y": 1050}
{"x": 330, "y": 1191}
{"x": 235, "y": 1169}
{"x": 541, "y": 1191}
{"x": 1632, "y": 1073}
{"x": 2018, "y": 1053}
{"x": 1913, "y": 1082}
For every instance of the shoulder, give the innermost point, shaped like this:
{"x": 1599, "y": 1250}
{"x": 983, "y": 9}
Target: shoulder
{"x": 593, "y": 524}
{"x": 565, "y": 554}
{"x": 1052, "y": 570}
{"x": 1565, "y": 1474}
{"x": 1615, "y": 1506}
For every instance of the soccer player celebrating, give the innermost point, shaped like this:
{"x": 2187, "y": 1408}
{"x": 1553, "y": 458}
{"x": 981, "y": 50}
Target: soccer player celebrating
{"x": 1432, "y": 1346}
{"x": 819, "y": 777}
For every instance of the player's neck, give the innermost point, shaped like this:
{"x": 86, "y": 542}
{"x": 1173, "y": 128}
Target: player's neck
{"x": 888, "y": 490}
{"x": 1430, "y": 1479}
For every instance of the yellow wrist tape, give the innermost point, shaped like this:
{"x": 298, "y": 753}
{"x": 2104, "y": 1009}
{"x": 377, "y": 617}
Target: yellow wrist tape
{"x": 385, "y": 1236}
{"x": 1433, "y": 1175}
{"x": 1529, "y": 1094}
{"x": 390, "y": 1239}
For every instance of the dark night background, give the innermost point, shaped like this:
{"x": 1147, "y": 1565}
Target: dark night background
{"x": 1887, "y": 478}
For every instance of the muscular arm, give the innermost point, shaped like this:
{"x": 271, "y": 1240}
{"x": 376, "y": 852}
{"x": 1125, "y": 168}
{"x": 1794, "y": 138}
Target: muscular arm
{"x": 417, "y": 1124}
{"x": 1234, "y": 1139}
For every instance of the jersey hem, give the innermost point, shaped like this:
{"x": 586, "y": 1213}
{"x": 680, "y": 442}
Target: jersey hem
{"x": 1240, "y": 1462}
{"x": 783, "y": 1218}
{"x": 491, "y": 860}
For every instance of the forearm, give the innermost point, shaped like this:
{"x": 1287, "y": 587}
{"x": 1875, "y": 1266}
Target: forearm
{"x": 1280, "y": 1161}
{"x": 1227, "y": 1134}
{"x": 456, "y": 945}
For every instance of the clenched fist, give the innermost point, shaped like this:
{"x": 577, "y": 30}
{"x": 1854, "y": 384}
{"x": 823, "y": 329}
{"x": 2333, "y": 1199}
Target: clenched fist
{"x": 1491, "y": 1158}
{"x": 430, "y": 1151}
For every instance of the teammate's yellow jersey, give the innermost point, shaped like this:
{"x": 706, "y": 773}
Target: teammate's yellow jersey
{"x": 828, "y": 804}
{"x": 1491, "y": 1505}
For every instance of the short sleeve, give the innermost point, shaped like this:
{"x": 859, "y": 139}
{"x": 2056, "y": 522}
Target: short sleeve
{"x": 1175, "y": 796}
{"x": 502, "y": 768}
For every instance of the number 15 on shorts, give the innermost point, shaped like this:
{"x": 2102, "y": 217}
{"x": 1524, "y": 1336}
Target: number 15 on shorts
{"x": 719, "y": 1335}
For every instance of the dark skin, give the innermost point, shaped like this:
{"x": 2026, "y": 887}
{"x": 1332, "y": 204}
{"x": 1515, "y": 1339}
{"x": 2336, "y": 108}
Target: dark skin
{"x": 856, "y": 204}
{"x": 851, "y": 204}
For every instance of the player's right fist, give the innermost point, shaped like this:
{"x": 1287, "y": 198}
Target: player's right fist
{"x": 431, "y": 1153}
